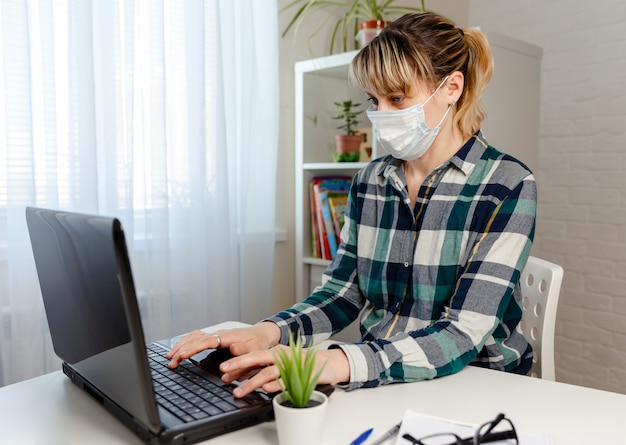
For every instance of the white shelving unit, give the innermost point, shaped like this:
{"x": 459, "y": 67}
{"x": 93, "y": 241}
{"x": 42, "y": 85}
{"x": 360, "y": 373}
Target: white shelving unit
{"x": 319, "y": 83}
{"x": 512, "y": 125}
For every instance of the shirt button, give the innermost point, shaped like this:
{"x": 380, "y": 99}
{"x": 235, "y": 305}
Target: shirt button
{"x": 406, "y": 264}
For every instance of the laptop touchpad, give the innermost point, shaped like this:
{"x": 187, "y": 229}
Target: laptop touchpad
{"x": 211, "y": 362}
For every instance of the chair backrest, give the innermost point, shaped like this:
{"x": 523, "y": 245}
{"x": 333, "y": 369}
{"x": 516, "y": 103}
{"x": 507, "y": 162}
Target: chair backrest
{"x": 541, "y": 286}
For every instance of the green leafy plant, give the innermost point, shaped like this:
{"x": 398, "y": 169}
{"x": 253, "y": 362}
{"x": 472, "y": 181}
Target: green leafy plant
{"x": 349, "y": 143}
{"x": 350, "y": 13}
{"x": 297, "y": 371}
{"x": 347, "y": 115}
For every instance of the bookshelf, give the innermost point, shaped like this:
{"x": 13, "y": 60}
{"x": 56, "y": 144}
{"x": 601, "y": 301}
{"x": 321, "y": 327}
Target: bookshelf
{"x": 318, "y": 84}
{"x": 512, "y": 125}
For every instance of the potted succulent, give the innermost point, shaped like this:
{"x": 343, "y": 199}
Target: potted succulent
{"x": 374, "y": 14}
{"x": 348, "y": 144}
{"x": 299, "y": 409}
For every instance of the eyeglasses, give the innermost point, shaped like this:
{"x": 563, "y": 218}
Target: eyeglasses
{"x": 484, "y": 434}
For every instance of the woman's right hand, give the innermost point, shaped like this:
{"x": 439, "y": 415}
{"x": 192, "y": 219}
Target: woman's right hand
{"x": 258, "y": 369}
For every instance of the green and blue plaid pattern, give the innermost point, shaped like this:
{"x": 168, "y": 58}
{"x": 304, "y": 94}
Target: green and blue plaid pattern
{"x": 435, "y": 284}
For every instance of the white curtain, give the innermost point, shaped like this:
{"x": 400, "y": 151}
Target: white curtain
{"x": 163, "y": 113}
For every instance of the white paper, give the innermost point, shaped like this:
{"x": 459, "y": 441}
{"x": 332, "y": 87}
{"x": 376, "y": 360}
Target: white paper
{"x": 419, "y": 425}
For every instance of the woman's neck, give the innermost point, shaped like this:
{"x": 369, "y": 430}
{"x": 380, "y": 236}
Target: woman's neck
{"x": 444, "y": 147}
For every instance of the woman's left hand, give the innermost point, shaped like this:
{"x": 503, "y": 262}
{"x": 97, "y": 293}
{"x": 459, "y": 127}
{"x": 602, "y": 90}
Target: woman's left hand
{"x": 260, "y": 366}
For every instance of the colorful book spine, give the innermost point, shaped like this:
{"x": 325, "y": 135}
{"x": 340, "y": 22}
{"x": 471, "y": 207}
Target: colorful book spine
{"x": 329, "y": 227}
{"x": 326, "y": 232}
{"x": 337, "y": 203}
{"x": 316, "y": 251}
{"x": 321, "y": 230}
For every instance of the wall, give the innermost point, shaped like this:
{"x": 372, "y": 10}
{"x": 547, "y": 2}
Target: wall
{"x": 582, "y": 173}
{"x": 290, "y": 51}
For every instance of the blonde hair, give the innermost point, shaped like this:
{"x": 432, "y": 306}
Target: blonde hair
{"x": 429, "y": 47}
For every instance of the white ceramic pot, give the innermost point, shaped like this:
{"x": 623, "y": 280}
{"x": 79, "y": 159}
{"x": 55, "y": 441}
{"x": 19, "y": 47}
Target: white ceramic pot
{"x": 301, "y": 426}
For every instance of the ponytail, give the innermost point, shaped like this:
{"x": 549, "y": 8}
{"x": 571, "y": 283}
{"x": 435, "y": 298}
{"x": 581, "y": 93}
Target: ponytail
{"x": 478, "y": 70}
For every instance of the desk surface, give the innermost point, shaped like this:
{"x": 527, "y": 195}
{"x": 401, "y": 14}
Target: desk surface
{"x": 51, "y": 410}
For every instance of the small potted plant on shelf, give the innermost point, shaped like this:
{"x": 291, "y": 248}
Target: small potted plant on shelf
{"x": 359, "y": 20}
{"x": 348, "y": 144}
{"x": 299, "y": 409}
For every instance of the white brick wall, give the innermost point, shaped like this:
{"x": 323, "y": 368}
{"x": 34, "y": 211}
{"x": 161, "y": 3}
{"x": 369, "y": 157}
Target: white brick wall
{"x": 582, "y": 173}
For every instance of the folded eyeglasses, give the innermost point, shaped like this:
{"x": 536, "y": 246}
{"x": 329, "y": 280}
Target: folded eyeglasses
{"x": 484, "y": 434}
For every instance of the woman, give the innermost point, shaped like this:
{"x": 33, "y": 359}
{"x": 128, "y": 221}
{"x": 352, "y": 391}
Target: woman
{"x": 435, "y": 237}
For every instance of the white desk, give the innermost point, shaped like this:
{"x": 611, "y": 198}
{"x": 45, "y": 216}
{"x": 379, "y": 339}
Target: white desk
{"x": 51, "y": 410}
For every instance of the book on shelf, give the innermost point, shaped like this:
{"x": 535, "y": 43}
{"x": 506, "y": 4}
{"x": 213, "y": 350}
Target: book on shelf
{"x": 337, "y": 202}
{"x": 323, "y": 229}
{"x": 316, "y": 249}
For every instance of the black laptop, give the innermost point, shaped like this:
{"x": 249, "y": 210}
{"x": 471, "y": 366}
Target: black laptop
{"x": 93, "y": 316}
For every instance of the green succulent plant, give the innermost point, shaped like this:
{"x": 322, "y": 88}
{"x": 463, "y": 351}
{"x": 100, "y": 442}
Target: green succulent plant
{"x": 347, "y": 115}
{"x": 297, "y": 371}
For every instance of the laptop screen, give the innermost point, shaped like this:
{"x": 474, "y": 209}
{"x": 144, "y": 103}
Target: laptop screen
{"x": 89, "y": 298}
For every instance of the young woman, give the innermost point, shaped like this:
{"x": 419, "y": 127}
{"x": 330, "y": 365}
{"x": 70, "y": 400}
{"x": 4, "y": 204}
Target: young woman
{"x": 435, "y": 237}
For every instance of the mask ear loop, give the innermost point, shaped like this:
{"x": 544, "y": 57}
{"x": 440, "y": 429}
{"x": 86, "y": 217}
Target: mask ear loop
{"x": 446, "y": 114}
{"x": 449, "y": 106}
{"x": 436, "y": 90}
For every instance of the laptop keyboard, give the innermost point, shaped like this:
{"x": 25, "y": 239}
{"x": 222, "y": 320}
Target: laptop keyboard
{"x": 187, "y": 394}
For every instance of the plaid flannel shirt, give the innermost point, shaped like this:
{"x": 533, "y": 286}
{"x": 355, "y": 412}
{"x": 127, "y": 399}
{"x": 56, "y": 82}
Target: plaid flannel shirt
{"x": 436, "y": 285}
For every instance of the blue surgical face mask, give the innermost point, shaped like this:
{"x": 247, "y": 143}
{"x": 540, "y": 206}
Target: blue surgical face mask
{"x": 404, "y": 133}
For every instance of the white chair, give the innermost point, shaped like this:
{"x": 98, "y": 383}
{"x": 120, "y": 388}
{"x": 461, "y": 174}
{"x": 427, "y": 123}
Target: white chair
{"x": 541, "y": 286}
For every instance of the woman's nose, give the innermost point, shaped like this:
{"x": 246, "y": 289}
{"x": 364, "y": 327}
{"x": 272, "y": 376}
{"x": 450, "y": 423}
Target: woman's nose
{"x": 383, "y": 105}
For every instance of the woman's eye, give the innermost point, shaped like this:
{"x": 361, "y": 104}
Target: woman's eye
{"x": 373, "y": 100}
{"x": 397, "y": 99}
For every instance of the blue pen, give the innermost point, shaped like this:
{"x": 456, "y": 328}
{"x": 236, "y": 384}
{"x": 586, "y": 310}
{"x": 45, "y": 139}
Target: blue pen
{"x": 362, "y": 438}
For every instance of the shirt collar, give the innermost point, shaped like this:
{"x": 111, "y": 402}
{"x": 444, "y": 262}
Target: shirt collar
{"x": 470, "y": 153}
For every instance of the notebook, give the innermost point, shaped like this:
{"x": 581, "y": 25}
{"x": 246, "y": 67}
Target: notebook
{"x": 93, "y": 315}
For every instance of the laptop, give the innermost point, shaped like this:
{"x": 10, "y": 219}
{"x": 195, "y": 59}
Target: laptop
{"x": 93, "y": 315}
